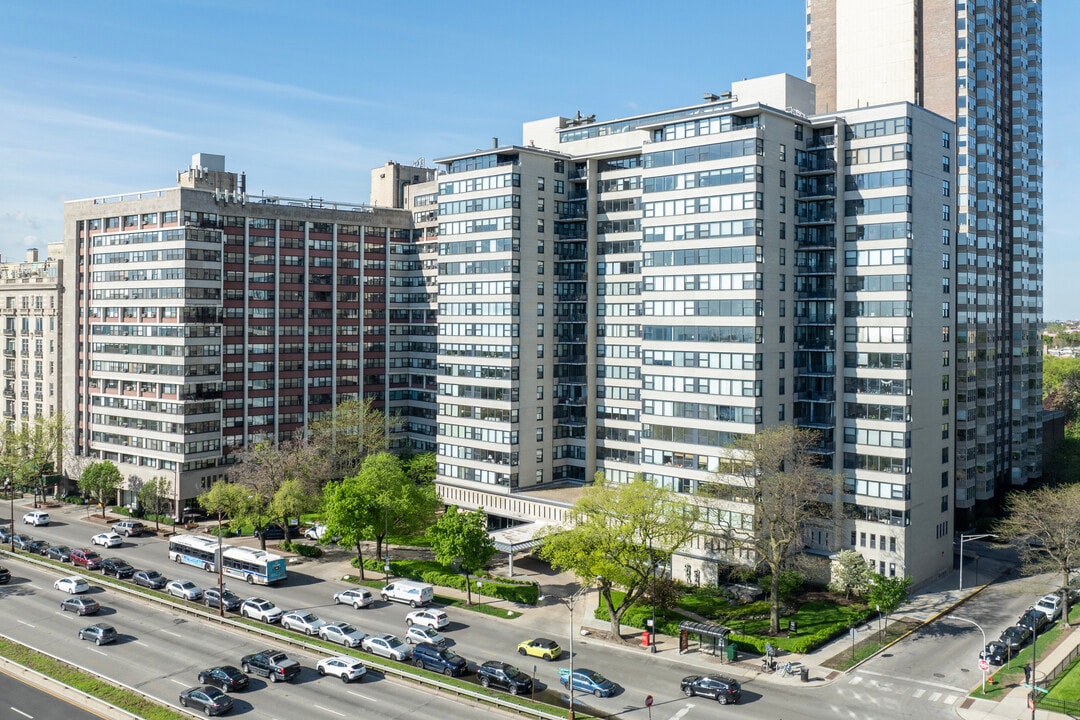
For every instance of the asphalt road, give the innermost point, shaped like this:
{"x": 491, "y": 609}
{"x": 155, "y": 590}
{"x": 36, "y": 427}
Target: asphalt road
{"x": 19, "y": 700}
{"x": 170, "y": 648}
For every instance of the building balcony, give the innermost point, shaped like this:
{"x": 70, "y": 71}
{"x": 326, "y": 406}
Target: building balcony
{"x": 816, "y": 396}
{"x": 822, "y": 319}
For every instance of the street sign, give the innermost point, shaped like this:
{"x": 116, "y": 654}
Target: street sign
{"x": 648, "y": 701}
{"x": 984, "y": 665}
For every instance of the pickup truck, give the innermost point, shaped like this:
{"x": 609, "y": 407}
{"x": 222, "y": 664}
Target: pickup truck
{"x": 272, "y": 664}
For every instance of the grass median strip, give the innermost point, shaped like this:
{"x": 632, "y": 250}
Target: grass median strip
{"x": 87, "y": 683}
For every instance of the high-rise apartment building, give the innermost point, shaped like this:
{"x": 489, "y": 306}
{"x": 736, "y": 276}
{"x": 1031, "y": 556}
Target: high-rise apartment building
{"x": 978, "y": 62}
{"x": 200, "y": 318}
{"x": 631, "y": 296}
{"x": 30, "y": 302}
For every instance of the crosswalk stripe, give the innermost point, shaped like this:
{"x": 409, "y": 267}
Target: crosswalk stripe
{"x": 935, "y": 697}
{"x": 949, "y": 700}
{"x": 919, "y": 693}
{"x": 855, "y": 680}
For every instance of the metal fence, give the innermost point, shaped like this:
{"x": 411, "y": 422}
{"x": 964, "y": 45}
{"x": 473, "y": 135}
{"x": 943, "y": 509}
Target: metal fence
{"x": 1071, "y": 707}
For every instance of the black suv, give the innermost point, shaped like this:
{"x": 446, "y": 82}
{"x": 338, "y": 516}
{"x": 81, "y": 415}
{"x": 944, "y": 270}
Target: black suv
{"x": 722, "y": 689}
{"x": 5, "y": 575}
{"x": 996, "y": 653}
{"x": 117, "y": 566}
{"x": 272, "y": 664}
{"x": 503, "y": 675}
{"x": 1034, "y": 620}
{"x": 429, "y": 656}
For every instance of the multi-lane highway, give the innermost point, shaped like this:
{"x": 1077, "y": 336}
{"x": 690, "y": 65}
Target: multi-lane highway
{"x": 161, "y": 651}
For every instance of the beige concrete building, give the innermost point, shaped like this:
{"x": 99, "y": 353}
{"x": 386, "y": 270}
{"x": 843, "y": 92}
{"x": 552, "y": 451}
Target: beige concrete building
{"x": 31, "y": 298}
{"x": 631, "y": 296}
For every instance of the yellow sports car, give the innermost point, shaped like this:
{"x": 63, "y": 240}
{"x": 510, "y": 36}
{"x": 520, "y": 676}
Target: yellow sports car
{"x": 541, "y": 648}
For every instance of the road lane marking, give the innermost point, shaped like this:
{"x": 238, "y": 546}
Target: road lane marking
{"x": 140, "y": 642}
{"x": 928, "y": 683}
{"x": 21, "y": 712}
{"x": 178, "y": 682}
{"x": 919, "y": 693}
{"x": 168, "y": 632}
{"x": 97, "y": 651}
{"x": 361, "y": 695}
{"x": 23, "y": 622}
{"x": 685, "y": 709}
{"x": 855, "y": 680}
{"x": 335, "y": 712}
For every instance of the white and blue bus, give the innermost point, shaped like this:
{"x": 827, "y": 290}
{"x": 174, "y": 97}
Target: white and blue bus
{"x": 195, "y": 550}
{"x": 253, "y": 566}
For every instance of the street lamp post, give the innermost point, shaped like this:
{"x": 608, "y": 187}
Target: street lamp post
{"x": 1034, "y": 656}
{"x": 11, "y": 502}
{"x": 963, "y": 537}
{"x": 220, "y": 582}
{"x": 386, "y": 545}
{"x": 569, "y": 602}
{"x": 954, "y": 617}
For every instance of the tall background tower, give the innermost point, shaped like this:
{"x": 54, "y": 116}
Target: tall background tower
{"x": 980, "y": 64}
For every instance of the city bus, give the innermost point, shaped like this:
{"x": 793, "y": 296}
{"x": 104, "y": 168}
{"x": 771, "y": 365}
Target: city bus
{"x": 195, "y": 550}
{"x": 254, "y": 566}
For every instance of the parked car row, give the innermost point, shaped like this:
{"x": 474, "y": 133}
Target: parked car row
{"x": 1034, "y": 621}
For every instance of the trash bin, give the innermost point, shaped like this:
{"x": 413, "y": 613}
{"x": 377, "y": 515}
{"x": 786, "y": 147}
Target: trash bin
{"x": 732, "y": 651}
{"x": 804, "y": 673}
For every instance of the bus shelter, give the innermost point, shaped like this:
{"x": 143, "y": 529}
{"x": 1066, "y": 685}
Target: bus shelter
{"x": 709, "y": 637}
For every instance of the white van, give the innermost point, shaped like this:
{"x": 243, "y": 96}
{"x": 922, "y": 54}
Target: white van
{"x": 417, "y": 594}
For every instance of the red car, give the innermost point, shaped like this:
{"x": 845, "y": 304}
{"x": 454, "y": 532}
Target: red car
{"x": 81, "y": 557}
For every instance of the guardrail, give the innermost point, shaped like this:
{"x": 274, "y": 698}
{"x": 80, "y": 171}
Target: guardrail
{"x": 48, "y": 684}
{"x": 400, "y": 671}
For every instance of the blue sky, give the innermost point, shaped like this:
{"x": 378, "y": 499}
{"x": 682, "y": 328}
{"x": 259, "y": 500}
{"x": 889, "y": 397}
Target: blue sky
{"x": 109, "y": 97}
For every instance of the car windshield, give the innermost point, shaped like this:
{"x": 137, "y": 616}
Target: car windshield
{"x": 511, "y": 671}
{"x": 213, "y": 693}
{"x": 309, "y": 618}
{"x": 347, "y": 629}
{"x": 153, "y": 574}
{"x": 187, "y": 584}
{"x": 596, "y": 677}
{"x": 394, "y": 642}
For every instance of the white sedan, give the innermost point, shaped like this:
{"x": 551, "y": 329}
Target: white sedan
{"x": 307, "y": 623}
{"x": 72, "y": 585}
{"x": 107, "y": 539}
{"x": 421, "y": 634}
{"x": 346, "y": 668}
{"x": 184, "y": 589}
{"x": 341, "y": 633}
{"x": 388, "y": 646}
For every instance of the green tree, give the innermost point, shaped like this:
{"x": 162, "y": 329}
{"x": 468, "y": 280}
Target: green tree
{"x": 291, "y": 500}
{"x": 350, "y": 514}
{"x": 354, "y": 430}
{"x": 888, "y": 593}
{"x": 378, "y": 498}
{"x": 224, "y": 500}
{"x": 851, "y": 574}
{"x": 1044, "y": 525}
{"x": 616, "y": 533}
{"x": 462, "y": 538}
{"x": 101, "y": 480}
{"x": 263, "y": 468}
{"x": 788, "y": 490}
{"x": 155, "y": 495}
{"x": 33, "y": 450}
{"x": 421, "y": 468}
